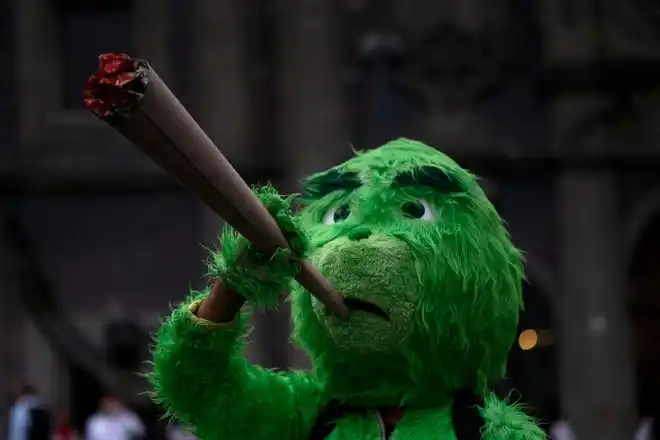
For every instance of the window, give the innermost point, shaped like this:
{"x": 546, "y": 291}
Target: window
{"x": 7, "y": 77}
{"x": 85, "y": 30}
{"x": 59, "y": 42}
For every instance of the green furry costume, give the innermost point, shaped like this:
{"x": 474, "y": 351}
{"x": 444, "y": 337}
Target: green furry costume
{"x": 434, "y": 284}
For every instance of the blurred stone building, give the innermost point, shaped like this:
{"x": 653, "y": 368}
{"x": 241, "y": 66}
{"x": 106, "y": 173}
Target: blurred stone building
{"x": 554, "y": 105}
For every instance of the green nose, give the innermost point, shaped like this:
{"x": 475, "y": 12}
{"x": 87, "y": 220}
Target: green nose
{"x": 359, "y": 234}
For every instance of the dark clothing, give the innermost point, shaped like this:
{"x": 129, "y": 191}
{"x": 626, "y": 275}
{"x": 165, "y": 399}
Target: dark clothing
{"x": 466, "y": 418}
{"x": 30, "y": 419}
{"x": 40, "y": 427}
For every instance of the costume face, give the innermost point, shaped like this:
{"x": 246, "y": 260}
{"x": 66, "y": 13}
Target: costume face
{"x": 408, "y": 237}
{"x": 375, "y": 272}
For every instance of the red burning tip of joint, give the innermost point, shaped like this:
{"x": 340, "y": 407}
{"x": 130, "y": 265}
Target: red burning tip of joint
{"x": 116, "y": 87}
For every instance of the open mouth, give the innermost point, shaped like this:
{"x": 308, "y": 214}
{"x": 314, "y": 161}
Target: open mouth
{"x": 365, "y": 306}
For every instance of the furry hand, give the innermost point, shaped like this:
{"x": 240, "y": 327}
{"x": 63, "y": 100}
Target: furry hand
{"x": 260, "y": 278}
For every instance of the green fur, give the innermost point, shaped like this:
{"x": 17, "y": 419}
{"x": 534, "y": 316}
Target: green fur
{"x": 201, "y": 377}
{"x": 261, "y": 279}
{"x": 380, "y": 270}
{"x": 449, "y": 281}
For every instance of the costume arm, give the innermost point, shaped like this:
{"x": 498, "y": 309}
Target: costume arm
{"x": 507, "y": 421}
{"x": 202, "y": 378}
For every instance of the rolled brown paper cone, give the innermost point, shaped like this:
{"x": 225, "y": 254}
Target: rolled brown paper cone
{"x": 130, "y": 96}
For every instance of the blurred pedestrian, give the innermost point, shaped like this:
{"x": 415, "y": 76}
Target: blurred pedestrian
{"x": 29, "y": 417}
{"x": 113, "y": 421}
{"x": 63, "y": 429}
{"x": 649, "y": 429}
{"x": 561, "y": 430}
{"x": 176, "y": 431}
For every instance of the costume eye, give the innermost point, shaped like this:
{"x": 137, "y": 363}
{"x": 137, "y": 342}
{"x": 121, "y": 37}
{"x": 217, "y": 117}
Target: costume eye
{"x": 336, "y": 214}
{"x": 418, "y": 209}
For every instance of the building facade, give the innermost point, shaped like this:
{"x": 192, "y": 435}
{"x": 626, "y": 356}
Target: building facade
{"x": 554, "y": 106}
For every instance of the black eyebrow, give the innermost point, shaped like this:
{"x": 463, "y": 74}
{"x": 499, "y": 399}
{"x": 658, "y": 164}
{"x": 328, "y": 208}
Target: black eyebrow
{"x": 429, "y": 176}
{"x": 333, "y": 180}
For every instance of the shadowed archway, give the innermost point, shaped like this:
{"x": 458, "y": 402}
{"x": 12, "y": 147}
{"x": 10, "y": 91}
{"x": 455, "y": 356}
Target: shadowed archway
{"x": 533, "y": 362}
{"x": 644, "y": 306}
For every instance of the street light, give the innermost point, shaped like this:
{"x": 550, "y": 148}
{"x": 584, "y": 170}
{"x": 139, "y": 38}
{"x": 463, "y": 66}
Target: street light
{"x": 528, "y": 339}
